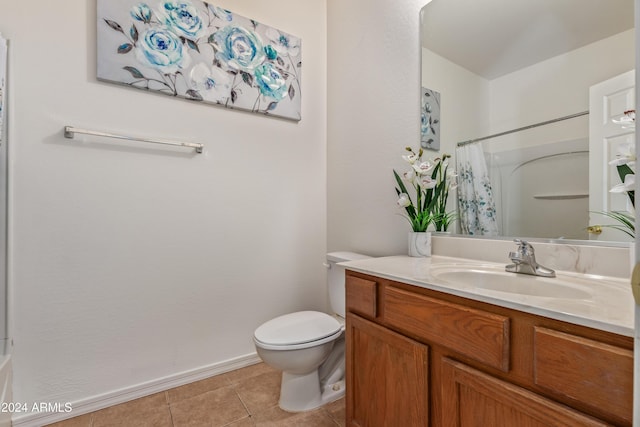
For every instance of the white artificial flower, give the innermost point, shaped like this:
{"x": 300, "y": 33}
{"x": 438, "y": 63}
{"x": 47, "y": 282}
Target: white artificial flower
{"x": 423, "y": 167}
{"x": 426, "y": 183}
{"x": 629, "y": 184}
{"x": 411, "y": 158}
{"x": 626, "y": 155}
{"x": 409, "y": 175}
{"x": 403, "y": 200}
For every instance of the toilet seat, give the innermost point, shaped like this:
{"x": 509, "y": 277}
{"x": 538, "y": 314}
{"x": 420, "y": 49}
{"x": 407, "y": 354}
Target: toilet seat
{"x": 298, "y": 330}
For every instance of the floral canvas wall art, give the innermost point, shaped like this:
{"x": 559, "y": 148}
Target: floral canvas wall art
{"x": 430, "y": 119}
{"x": 201, "y": 52}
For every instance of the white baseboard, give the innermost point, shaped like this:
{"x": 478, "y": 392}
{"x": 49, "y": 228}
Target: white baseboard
{"x": 91, "y": 404}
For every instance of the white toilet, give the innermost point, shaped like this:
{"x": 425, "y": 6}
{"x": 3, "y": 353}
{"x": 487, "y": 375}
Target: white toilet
{"x": 308, "y": 346}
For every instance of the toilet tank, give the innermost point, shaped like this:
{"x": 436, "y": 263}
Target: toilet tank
{"x": 335, "y": 279}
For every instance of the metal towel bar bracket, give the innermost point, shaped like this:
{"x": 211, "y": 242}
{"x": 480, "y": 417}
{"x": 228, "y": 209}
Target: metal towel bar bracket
{"x": 70, "y": 131}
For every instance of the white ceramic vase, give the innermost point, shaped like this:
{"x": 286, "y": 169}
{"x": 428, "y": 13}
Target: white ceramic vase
{"x": 419, "y": 243}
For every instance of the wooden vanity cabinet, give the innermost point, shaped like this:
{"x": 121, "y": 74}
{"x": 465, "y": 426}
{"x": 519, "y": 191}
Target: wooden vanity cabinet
{"x": 417, "y": 357}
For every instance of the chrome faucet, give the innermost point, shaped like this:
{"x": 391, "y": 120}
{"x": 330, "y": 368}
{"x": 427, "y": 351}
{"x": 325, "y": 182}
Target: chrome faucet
{"x": 524, "y": 261}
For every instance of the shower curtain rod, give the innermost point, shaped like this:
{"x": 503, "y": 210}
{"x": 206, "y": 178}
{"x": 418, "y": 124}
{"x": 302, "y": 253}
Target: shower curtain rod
{"x": 559, "y": 119}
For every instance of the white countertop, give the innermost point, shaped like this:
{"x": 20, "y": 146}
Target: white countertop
{"x": 607, "y": 303}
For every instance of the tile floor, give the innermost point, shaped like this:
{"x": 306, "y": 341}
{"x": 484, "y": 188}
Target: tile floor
{"x": 244, "y": 397}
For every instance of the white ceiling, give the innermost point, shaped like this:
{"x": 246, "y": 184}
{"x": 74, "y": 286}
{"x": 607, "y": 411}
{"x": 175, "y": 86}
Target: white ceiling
{"x": 495, "y": 37}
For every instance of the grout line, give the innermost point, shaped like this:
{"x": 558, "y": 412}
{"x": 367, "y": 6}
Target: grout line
{"x": 166, "y": 399}
{"x": 242, "y": 401}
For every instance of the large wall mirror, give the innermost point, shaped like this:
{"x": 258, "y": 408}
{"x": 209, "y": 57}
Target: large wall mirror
{"x": 561, "y": 69}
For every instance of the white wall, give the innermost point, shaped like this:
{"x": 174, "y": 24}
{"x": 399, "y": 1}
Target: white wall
{"x": 464, "y": 99}
{"x": 131, "y": 263}
{"x": 554, "y": 88}
{"x": 374, "y": 98}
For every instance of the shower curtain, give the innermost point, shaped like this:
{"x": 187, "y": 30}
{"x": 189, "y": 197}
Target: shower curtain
{"x": 477, "y": 209}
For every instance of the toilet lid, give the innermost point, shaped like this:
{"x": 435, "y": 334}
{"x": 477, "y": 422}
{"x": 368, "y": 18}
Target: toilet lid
{"x": 297, "y": 328}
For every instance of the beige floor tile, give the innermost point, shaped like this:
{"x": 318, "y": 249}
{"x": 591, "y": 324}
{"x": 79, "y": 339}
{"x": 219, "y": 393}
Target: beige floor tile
{"x": 196, "y": 388}
{"x": 248, "y": 372}
{"x": 260, "y": 392}
{"x": 245, "y": 422}
{"x": 80, "y": 421}
{"x": 338, "y": 411}
{"x": 243, "y": 398}
{"x": 215, "y": 408}
{"x": 276, "y": 417}
{"x": 151, "y": 411}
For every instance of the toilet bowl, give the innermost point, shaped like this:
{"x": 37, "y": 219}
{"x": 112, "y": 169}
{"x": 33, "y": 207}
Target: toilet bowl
{"x": 308, "y": 347}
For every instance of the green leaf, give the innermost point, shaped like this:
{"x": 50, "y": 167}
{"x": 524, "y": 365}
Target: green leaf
{"x": 627, "y": 222}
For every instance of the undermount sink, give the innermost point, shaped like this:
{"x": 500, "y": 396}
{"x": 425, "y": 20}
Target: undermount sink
{"x": 496, "y": 281}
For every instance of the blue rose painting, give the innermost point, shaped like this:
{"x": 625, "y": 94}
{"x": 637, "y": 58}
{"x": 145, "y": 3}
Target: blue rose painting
{"x": 200, "y": 52}
{"x": 430, "y": 119}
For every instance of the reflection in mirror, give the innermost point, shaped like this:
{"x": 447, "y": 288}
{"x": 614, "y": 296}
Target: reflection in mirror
{"x": 503, "y": 65}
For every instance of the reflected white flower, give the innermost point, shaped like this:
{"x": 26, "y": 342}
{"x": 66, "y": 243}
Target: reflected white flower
{"x": 626, "y": 155}
{"x": 627, "y": 121}
{"x": 629, "y": 184}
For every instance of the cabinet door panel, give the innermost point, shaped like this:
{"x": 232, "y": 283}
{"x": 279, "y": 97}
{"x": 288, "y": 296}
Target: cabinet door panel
{"x": 588, "y": 371}
{"x": 387, "y": 377}
{"x": 474, "y": 399}
{"x": 478, "y": 334}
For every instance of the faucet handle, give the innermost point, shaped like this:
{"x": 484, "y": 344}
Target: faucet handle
{"x": 524, "y": 246}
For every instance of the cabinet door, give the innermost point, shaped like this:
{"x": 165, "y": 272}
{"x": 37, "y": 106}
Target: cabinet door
{"x": 474, "y": 399}
{"x": 387, "y": 377}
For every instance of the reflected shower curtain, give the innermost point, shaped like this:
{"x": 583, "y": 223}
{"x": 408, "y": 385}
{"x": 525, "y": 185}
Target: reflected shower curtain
{"x": 477, "y": 209}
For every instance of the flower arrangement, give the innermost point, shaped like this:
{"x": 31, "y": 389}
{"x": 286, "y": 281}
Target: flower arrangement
{"x": 624, "y": 164}
{"x": 432, "y": 180}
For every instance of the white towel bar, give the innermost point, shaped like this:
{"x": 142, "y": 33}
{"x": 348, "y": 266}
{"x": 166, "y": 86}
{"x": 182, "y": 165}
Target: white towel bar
{"x": 70, "y": 131}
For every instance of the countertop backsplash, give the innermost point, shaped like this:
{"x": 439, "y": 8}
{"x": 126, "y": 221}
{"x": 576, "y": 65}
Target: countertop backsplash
{"x": 586, "y": 259}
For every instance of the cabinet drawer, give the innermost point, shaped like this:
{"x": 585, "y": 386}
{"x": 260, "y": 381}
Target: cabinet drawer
{"x": 589, "y": 371}
{"x": 361, "y": 296}
{"x": 477, "y": 334}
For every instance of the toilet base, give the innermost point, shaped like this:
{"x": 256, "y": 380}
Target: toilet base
{"x": 299, "y": 393}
